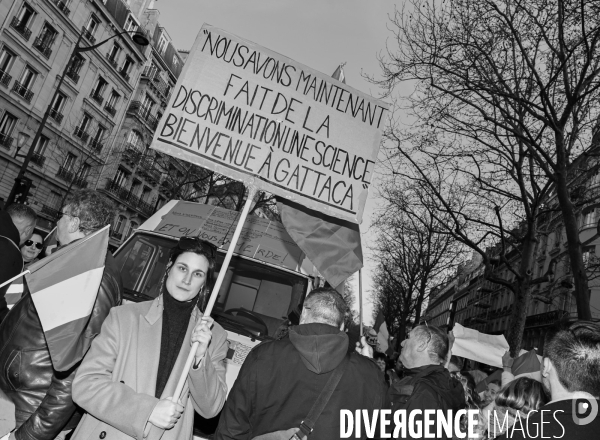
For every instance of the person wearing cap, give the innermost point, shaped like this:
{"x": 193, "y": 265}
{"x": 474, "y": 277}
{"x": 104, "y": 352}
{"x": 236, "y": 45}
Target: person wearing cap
{"x": 127, "y": 381}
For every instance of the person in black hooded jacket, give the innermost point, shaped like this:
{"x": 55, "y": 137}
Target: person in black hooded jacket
{"x": 280, "y": 380}
{"x": 427, "y": 384}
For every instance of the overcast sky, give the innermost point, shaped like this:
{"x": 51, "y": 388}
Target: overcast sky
{"x": 318, "y": 33}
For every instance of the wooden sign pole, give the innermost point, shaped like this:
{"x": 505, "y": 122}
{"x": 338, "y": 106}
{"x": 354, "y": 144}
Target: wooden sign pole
{"x": 215, "y": 292}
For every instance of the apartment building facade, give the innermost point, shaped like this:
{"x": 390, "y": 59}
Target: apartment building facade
{"x": 473, "y": 301}
{"x": 138, "y": 181}
{"x": 37, "y": 38}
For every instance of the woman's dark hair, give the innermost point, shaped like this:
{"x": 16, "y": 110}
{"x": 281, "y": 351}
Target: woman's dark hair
{"x": 198, "y": 247}
{"x": 522, "y": 394}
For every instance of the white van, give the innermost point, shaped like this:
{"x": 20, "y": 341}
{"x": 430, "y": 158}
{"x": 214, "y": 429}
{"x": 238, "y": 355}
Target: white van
{"x": 263, "y": 288}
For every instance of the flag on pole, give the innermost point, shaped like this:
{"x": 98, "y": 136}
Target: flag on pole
{"x": 331, "y": 244}
{"x": 63, "y": 288}
{"x": 339, "y": 73}
{"x": 383, "y": 335}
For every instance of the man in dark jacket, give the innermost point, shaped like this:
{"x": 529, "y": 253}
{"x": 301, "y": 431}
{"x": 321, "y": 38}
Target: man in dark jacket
{"x": 16, "y": 227}
{"x": 280, "y": 380}
{"x": 42, "y": 395}
{"x": 427, "y": 383}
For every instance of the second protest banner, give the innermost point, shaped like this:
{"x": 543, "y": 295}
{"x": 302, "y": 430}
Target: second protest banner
{"x": 256, "y": 116}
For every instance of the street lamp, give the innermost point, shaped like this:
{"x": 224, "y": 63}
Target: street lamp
{"x": 137, "y": 37}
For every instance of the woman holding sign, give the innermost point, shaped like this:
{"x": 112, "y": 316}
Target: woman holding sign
{"x": 127, "y": 380}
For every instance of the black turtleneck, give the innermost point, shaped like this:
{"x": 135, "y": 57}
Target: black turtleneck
{"x": 176, "y": 316}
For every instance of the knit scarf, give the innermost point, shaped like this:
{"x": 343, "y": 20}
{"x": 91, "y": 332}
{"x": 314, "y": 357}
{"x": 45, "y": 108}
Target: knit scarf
{"x": 176, "y": 317}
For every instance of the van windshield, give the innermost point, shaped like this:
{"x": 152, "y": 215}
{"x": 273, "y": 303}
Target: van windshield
{"x": 254, "y": 300}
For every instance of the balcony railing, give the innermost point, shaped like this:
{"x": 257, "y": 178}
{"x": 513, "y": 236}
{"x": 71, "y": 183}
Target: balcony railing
{"x": 116, "y": 235}
{"x": 81, "y": 134}
{"x": 110, "y": 110}
{"x": 73, "y": 75}
{"x": 62, "y": 6}
{"x": 143, "y": 114}
{"x": 65, "y": 174}
{"x": 38, "y": 159}
{"x": 80, "y": 182}
{"x": 96, "y": 146}
{"x": 124, "y": 74}
{"x": 56, "y": 115}
{"x": 21, "y": 28}
{"x": 96, "y": 97}
{"x": 88, "y": 35}
{"x": 131, "y": 154}
{"x": 43, "y": 47}
{"x": 126, "y": 196}
{"x": 547, "y": 318}
{"x": 111, "y": 60}
{"x": 5, "y": 78}
{"x": 5, "y": 141}
{"x": 22, "y": 91}
{"x": 157, "y": 83}
{"x": 54, "y": 213}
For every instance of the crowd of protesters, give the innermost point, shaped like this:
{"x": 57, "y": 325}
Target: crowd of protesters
{"x": 296, "y": 385}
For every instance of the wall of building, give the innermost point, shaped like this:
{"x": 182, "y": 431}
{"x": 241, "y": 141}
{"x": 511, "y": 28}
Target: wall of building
{"x": 52, "y": 177}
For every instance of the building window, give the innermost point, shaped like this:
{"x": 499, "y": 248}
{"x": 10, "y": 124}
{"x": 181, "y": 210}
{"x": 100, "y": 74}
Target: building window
{"x": 175, "y": 61}
{"x": 91, "y": 27}
{"x": 112, "y": 102}
{"x": 25, "y": 16}
{"x": 41, "y": 145}
{"x": 99, "y": 135}
{"x": 69, "y": 162}
{"x": 113, "y": 54}
{"x": 85, "y": 122}
{"x": 146, "y": 194}
{"x": 130, "y": 228}
{"x": 147, "y": 105}
{"x": 98, "y": 139}
{"x": 98, "y": 90}
{"x": 162, "y": 45}
{"x": 135, "y": 139}
{"x": 77, "y": 63}
{"x": 127, "y": 65}
{"x": 84, "y": 172}
{"x": 54, "y": 200}
{"x": 56, "y": 108}
{"x": 7, "y": 124}
{"x": 130, "y": 24}
{"x": 45, "y": 40}
{"x": 7, "y": 58}
{"x": 121, "y": 177}
{"x": 589, "y": 218}
{"x": 120, "y": 223}
{"x": 28, "y": 77}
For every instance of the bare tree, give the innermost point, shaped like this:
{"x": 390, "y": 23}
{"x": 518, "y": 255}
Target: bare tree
{"x": 412, "y": 257}
{"x": 528, "y": 71}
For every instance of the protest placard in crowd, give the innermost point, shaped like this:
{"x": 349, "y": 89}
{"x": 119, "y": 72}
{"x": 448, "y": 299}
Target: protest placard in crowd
{"x": 256, "y": 116}
{"x": 480, "y": 347}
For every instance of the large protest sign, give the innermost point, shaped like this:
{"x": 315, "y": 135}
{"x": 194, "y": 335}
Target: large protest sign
{"x": 256, "y": 116}
{"x": 260, "y": 238}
